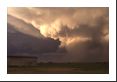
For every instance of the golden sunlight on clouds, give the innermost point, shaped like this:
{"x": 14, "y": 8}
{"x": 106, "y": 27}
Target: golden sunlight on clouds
{"x": 53, "y": 22}
{"x": 68, "y": 41}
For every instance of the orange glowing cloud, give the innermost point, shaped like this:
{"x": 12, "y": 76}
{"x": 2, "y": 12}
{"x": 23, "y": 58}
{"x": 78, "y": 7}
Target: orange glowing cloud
{"x": 51, "y": 21}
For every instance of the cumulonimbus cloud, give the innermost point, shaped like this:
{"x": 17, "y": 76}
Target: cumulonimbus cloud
{"x": 75, "y": 27}
{"x": 52, "y": 21}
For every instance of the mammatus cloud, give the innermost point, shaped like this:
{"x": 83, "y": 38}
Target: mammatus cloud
{"x": 84, "y": 32}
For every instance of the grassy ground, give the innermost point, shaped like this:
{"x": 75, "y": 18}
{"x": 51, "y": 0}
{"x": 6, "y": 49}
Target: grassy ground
{"x": 61, "y": 68}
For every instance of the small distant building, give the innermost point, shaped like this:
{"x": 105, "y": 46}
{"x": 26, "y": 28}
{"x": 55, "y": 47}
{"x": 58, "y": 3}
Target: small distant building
{"x": 21, "y": 61}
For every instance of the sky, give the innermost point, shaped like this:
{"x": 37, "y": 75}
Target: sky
{"x": 65, "y": 34}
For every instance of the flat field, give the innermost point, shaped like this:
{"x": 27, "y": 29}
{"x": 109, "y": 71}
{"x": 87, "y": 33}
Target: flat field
{"x": 61, "y": 68}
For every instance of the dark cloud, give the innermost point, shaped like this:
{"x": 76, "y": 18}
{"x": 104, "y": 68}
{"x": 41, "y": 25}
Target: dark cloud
{"x": 22, "y": 43}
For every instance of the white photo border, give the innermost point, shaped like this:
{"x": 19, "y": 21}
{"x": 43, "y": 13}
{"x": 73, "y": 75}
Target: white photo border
{"x": 58, "y": 77}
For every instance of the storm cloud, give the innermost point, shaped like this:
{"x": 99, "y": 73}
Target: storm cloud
{"x": 26, "y": 39}
{"x": 83, "y": 32}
